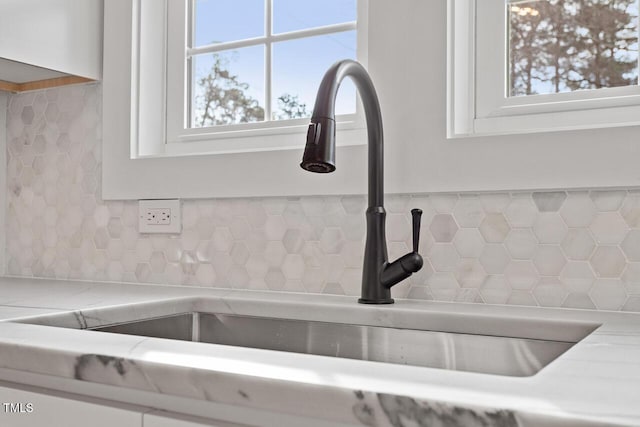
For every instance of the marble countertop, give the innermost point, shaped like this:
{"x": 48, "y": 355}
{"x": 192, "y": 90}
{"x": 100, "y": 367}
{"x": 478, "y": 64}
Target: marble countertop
{"x": 595, "y": 383}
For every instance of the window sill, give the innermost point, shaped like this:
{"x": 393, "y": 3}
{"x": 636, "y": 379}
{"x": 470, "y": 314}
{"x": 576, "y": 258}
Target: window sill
{"x": 263, "y": 142}
{"x": 551, "y": 122}
{"x": 254, "y": 137}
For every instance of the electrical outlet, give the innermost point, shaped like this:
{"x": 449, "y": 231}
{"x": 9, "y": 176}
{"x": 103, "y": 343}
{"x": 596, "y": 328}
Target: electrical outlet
{"x": 159, "y": 216}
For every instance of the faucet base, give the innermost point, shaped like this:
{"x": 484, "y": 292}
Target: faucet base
{"x": 375, "y": 301}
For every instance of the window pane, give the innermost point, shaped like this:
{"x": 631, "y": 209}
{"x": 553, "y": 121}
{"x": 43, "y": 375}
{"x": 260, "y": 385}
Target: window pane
{"x": 298, "y": 67}
{"x": 567, "y": 45}
{"x": 291, "y": 15}
{"x": 218, "y": 21}
{"x": 228, "y": 87}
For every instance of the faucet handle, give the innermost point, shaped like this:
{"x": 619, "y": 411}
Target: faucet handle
{"x": 407, "y": 264}
{"x": 416, "y": 214}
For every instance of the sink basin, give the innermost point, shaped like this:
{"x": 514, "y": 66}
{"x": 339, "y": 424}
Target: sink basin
{"x": 464, "y": 352}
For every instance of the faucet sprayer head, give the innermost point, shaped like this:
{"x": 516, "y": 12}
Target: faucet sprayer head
{"x": 320, "y": 151}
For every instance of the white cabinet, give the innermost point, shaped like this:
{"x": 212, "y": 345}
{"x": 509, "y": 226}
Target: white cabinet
{"x": 50, "y": 39}
{"x": 25, "y": 408}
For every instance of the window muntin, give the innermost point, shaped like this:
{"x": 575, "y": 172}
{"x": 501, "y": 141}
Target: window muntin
{"x": 244, "y": 77}
{"x": 557, "y": 46}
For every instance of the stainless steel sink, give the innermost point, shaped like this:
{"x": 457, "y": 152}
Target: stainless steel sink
{"x": 463, "y": 352}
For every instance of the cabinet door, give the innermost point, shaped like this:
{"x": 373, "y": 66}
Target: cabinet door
{"x": 164, "y": 419}
{"x": 60, "y": 35}
{"x": 25, "y": 408}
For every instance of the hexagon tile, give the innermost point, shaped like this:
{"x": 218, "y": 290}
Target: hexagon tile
{"x": 576, "y": 249}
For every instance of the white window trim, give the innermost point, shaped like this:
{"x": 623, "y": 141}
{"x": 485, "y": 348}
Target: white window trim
{"x": 138, "y": 164}
{"x": 477, "y": 101}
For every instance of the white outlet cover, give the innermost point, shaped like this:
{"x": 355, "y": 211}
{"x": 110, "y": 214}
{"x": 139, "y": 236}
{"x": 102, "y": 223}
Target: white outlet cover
{"x": 175, "y": 226}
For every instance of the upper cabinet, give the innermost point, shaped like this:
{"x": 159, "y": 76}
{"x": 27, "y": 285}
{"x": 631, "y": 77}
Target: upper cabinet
{"x": 46, "y": 43}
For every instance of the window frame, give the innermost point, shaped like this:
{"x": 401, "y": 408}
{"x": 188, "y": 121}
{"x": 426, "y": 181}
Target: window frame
{"x": 476, "y": 109}
{"x": 136, "y": 161}
{"x": 242, "y": 137}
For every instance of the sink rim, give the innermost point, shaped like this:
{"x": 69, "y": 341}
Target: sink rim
{"x": 401, "y": 316}
{"x": 520, "y": 357}
{"x": 465, "y": 318}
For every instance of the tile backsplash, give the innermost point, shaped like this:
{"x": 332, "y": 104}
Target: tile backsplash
{"x": 578, "y": 249}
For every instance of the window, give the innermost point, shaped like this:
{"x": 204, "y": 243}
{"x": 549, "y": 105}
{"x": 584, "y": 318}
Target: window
{"x": 537, "y": 65}
{"x": 560, "y": 46}
{"x": 241, "y": 68}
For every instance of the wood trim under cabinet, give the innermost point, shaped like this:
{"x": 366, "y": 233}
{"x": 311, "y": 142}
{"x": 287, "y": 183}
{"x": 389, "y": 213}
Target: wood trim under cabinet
{"x": 42, "y": 84}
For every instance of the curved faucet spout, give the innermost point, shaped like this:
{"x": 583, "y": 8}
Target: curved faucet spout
{"x": 378, "y": 275}
{"x": 319, "y": 154}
